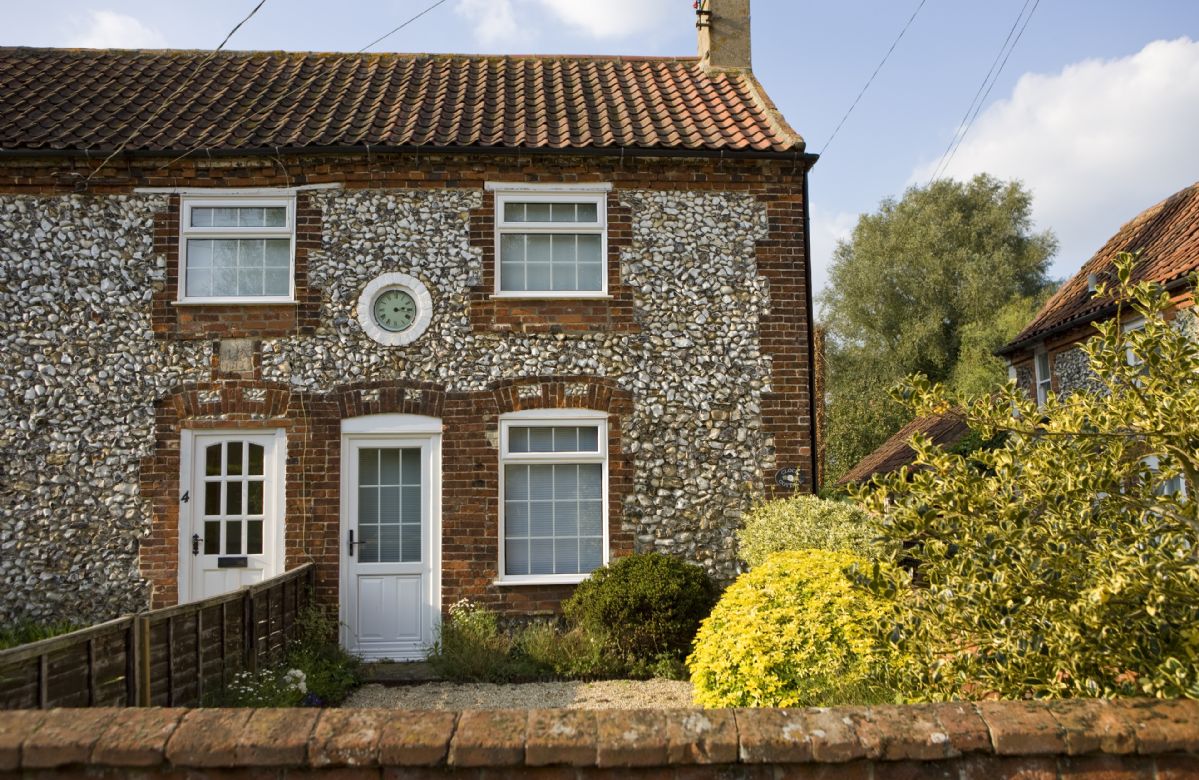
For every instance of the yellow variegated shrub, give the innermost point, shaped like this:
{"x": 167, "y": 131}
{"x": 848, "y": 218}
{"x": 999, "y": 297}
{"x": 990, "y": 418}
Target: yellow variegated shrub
{"x": 793, "y": 631}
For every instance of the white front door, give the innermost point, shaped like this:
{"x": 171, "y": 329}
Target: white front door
{"x": 233, "y": 499}
{"x": 389, "y": 554}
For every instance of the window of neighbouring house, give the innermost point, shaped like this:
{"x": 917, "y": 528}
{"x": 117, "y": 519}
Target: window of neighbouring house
{"x": 554, "y": 467}
{"x": 1044, "y": 378}
{"x": 236, "y": 250}
{"x": 551, "y": 243}
{"x": 1173, "y": 486}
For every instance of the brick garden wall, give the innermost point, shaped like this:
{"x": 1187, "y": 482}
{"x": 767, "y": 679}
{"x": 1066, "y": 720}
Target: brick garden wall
{"x": 1098, "y": 740}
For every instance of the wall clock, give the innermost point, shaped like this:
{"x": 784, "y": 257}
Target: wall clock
{"x": 395, "y": 309}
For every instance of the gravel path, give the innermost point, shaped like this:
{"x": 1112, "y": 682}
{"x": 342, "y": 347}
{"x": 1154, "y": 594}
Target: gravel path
{"x": 603, "y": 695}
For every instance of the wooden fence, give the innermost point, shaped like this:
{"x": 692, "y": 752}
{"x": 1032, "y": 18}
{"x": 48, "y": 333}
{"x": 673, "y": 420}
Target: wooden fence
{"x": 171, "y": 657}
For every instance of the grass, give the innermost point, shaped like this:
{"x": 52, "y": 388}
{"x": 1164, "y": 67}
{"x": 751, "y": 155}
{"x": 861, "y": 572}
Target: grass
{"x": 25, "y": 631}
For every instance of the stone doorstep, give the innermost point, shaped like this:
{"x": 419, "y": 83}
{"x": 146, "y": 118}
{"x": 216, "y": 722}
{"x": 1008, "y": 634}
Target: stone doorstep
{"x": 1082, "y": 738}
{"x": 398, "y": 673}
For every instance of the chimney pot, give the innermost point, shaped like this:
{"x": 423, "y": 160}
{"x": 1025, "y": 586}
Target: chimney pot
{"x": 723, "y": 27}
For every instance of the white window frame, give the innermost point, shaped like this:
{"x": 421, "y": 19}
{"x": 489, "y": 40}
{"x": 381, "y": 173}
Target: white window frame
{"x": 552, "y": 193}
{"x": 562, "y": 418}
{"x": 1044, "y": 384}
{"x": 1136, "y": 323}
{"x": 231, "y": 200}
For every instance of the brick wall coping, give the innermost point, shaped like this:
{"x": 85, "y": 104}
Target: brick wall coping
{"x": 1135, "y": 738}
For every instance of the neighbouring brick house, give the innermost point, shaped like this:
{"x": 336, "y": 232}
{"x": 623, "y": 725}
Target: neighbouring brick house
{"x": 448, "y": 326}
{"x": 1045, "y": 356}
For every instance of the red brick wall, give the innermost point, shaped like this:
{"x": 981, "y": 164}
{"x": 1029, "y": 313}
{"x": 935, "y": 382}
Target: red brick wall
{"x": 1089, "y": 740}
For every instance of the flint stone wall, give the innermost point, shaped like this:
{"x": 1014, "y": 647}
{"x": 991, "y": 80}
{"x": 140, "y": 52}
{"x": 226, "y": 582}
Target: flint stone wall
{"x": 82, "y": 368}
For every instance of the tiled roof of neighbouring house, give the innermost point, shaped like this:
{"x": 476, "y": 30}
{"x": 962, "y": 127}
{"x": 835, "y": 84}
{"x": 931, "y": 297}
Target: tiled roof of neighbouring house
{"x": 945, "y": 430}
{"x": 86, "y": 99}
{"x": 1166, "y": 235}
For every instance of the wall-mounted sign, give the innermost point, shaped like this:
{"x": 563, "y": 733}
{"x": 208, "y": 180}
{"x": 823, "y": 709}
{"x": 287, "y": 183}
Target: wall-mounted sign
{"x": 787, "y": 478}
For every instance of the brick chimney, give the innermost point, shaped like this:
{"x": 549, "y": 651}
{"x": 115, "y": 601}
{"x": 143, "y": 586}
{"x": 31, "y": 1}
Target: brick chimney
{"x": 723, "y": 27}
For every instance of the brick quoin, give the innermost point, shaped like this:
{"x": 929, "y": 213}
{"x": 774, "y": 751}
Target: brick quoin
{"x": 1094, "y": 740}
{"x": 470, "y": 460}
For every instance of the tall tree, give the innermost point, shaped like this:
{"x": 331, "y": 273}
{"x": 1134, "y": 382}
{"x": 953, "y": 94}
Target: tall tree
{"x": 920, "y": 287}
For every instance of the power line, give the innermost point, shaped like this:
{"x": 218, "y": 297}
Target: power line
{"x": 171, "y": 98}
{"x": 955, "y": 143}
{"x": 266, "y": 112}
{"x": 400, "y": 27}
{"x": 870, "y": 80}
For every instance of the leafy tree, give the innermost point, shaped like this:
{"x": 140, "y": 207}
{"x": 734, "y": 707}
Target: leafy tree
{"x": 1056, "y": 564}
{"x": 917, "y": 289}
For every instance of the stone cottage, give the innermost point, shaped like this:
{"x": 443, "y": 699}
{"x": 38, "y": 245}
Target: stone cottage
{"x": 447, "y": 326}
{"x": 1045, "y": 356}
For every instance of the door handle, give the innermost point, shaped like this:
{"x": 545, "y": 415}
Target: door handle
{"x": 196, "y": 539}
{"x": 351, "y": 542}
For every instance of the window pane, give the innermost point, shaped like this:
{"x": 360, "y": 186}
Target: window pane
{"x": 591, "y": 555}
{"x": 368, "y": 550}
{"x": 224, "y": 252}
{"x": 389, "y": 505}
{"x": 589, "y": 439}
{"x": 566, "y": 483}
{"x": 233, "y": 537}
{"x": 562, "y": 212}
{"x": 411, "y": 463}
{"x": 512, "y": 277}
{"x": 251, "y": 217}
{"x": 212, "y": 498}
{"x": 233, "y": 498}
{"x": 212, "y": 460}
{"x": 368, "y": 467}
{"x": 224, "y": 217}
{"x": 212, "y": 537}
{"x": 199, "y": 254}
{"x": 201, "y": 217}
{"x": 541, "y": 439}
{"x": 254, "y": 537}
{"x": 276, "y": 216}
{"x": 566, "y": 439}
{"x": 254, "y": 497}
{"x": 541, "y": 518}
{"x": 410, "y": 509}
{"x": 368, "y": 505}
{"x": 516, "y": 482}
{"x": 389, "y": 544}
{"x": 277, "y": 252}
{"x": 589, "y": 246}
{"x": 566, "y": 519}
{"x": 591, "y": 277}
{"x": 537, "y": 212}
{"x": 233, "y": 467}
{"x": 564, "y": 276}
{"x": 256, "y": 453}
{"x": 249, "y": 281}
{"x": 540, "y": 248}
{"x": 516, "y": 518}
{"x": 516, "y": 557}
{"x": 199, "y": 283}
{"x": 541, "y": 556}
{"x": 518, "y": 439}
{"x": 587, "y": 212}
{"x": 512, "y": 247}
{"x": 590, "y": 480}
{"x": 389, "y": 467}
{"x": 410, "y": 544}
{"x": 514, "y": 212}
{"x": 224, "y": 283}
{"x": 566, "y": 556}
{"x": 541, "y": 482}
{"x": 537, "y": 277}
{"x": 590, "y": 518}
{"x": 250, "y": 253}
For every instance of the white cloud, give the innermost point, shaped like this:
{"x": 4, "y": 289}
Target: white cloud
{"x": 611, "y": 19}
{"x": 828, "y": 227}
{"x": 111, "y": 30}
{"x": 1097, "y": 143}
{"x": 492, "y": 21}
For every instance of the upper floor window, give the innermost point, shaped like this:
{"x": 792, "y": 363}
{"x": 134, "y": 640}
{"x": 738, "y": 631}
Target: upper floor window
{"x": 551, "y": 243}
{"x": 236, "y": 250}
{"x": 553, "y": 466}
{"x": 1043, "y": 376}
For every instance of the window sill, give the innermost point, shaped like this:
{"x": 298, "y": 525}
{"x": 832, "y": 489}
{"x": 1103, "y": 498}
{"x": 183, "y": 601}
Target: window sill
{"x": 551, "y": 296}
{"x": 238, "y": 302}
{"x": 554, "y": 579}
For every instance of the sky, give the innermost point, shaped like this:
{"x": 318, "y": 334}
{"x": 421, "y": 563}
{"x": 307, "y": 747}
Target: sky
{"x": 1096, "y": 110}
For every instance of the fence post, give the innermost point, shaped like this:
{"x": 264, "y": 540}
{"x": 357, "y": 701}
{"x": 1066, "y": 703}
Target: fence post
{"x": 142, "y": 631}
{"x": 251, "y": 631}
{"x": 132, "y": 666}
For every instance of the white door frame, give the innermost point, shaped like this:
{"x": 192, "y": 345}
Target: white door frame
{"x": 187, "y": 510}
{"x": 391, "y": 427}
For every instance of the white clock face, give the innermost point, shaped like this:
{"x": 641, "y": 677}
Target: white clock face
{"x": 394, "y": 310}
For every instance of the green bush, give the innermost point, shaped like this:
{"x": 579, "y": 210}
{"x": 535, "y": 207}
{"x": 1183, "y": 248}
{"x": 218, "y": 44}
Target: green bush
{"x": 471, "y": 647}
{"x": 793, "y": 631}
{"x": 643, "y": 608}
{"x": 573, "y": 654}
{"x": 804, "y": 523}
{"x": 26, "y": 631}
{"x": 1061, "y": 562}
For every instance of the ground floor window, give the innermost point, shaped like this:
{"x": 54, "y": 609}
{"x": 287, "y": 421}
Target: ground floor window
{"x": 554, "y": 471}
